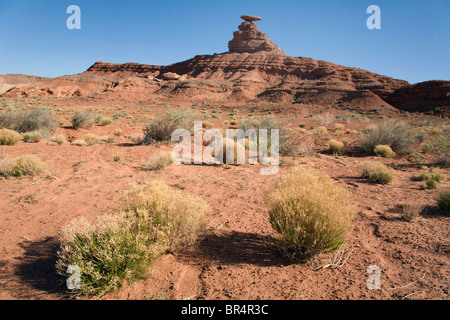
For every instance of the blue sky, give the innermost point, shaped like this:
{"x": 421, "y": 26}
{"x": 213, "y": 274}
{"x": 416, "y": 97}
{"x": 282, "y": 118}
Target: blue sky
{"x": 413, "y": 44}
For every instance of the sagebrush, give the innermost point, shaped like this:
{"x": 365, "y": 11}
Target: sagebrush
{"x": 310, "y": 212}
{"x": 155, "y": 220}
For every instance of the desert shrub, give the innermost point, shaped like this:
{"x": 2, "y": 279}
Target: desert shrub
{"x": 321, "y": 130}
{"x": 155, "y": 219}
{"x": 32, "y": 137}
{"x": 377, "y": 172}
{"x": 79, "y": 142}
{"x": 384, "y": 151}
{"x": 42, "y": 119}
{"x": 237, "y": 147}
{"x": 338, "y": 127}
{"x": 431, "y": 184}
{"x": 91, "y": 139}
{"x": 335, "y": 146}
{"x": 83, "y": 119}
{"x": 27, "y": 165}
{"x": 158, "y": 161}
{"x": 431, "y": 174}
{"x": 118, "y": 132}
{"x": 137, "y": 139}
{"x": 161, "y": 128}
{"x": 411, "y": 210}
{"x": 107, "y": 139}
{"x": 288, "y": 144}
{"x": 105, "y": 121}
{"x": 310, "y": 212}
{"x": 351, "y": 131}
{"x": 440, "y": 147}
{"x": 59, "y": 139}
{"x": 435, "y": 130}
{"x": 393, "y": 133}
{"x": 443, "y": 199}
{"x": 324, "y": 119}
{"x": 9, "y": 137}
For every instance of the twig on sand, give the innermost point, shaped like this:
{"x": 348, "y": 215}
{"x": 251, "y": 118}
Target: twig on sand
{"x": 335, "y": 262}
{"x": 410, "y": 294}
{"x": 408, "y": 284}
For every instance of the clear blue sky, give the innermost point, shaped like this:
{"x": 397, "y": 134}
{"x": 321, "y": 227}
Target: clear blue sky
{"x": 413, "y": 44}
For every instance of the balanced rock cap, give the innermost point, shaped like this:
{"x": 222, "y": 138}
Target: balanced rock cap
{"x": 250, "y": 18}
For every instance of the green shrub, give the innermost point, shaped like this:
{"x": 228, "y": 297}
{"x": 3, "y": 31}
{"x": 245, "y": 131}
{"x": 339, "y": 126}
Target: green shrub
{"x": 42, "y": 119}
{"x": 444, "y": 199}
{"x": 83, "y": 119}
{"x": 155, "y": 220}
{"x": 431, "y": 184}
{"x": 9, "y": 137}
{"x": 440, "y": 147}
{"x": 161, "y": 128}
{"x": 377, "y": 172}
{"x": 384, "y": 151}
{"x": 288, "y": 144}
{"x": 393, "y": 133}
{"x": 310, "y": 212}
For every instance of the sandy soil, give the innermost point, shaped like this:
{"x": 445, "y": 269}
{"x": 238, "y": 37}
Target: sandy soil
{"x": 236, "y": 257}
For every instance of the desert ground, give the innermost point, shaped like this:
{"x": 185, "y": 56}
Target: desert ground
{"x": 235, "y": 257}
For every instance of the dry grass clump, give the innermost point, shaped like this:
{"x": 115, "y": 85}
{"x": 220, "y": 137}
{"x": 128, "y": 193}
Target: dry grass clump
{"x": 155, "y": 220}
{"x": 161, "y": 128}
{"x": 83, "y": 119}
{"x": 443, "y": 199}
{"x": 80, "y": 143}
{"x": 338, "y": 127}
{"x": 105, "y": 121}
{"x": 107, "y": 139}
{"x": 411, "y": 210}
{"x": 440, "y": 147}
{"x": 27, "y": 165}
{"x": 118, "y": 132}
{"x": 288, "y": 143}
{"x": 233, "y": 158}
{"x": 40, "y": 119}
{"x": 310, "y": 212}
{"x": 9, "y": 137}
{"x": 336, "y": 146}
{"x": 393, "y": 133}
{"x": 384, "y": 151}
{"x": 377, "y": 172}
{"x": 324, "y": 119}
{"x": 321, "y": 130}
{"x": 59, "y": 139}
{"x": 91, "y": 139}
{"x": 160, "y": 160}
{"x": 32, "y": 137}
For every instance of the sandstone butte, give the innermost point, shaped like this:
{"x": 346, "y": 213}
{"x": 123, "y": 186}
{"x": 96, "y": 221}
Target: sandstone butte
{"x": 253, "y": 69}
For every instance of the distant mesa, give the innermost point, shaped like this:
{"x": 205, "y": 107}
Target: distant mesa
{"x": 250, "y": 39}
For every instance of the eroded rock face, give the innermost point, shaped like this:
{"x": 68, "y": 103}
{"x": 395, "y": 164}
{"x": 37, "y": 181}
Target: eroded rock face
{"x": 250, "y": 39}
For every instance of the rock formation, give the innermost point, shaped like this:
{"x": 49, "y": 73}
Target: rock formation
{"x": 254, "y": 69}
{"x": 250, "y": 39}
